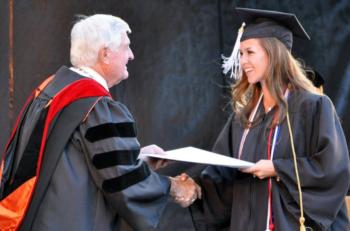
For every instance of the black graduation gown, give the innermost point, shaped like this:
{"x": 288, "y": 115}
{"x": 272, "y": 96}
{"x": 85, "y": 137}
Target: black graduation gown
{"x": 233, "y": 200}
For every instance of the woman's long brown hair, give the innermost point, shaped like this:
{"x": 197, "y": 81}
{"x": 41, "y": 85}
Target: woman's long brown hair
{"x": 283, "y": 71}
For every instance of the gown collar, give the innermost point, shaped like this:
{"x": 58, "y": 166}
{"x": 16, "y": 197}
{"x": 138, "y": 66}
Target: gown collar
{"x": 90, "y": 73}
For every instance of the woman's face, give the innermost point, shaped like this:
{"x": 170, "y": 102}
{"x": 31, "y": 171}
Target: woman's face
{"x": 254, "y": 60}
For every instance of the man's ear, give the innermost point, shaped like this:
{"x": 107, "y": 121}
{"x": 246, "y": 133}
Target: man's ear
{"x": 103, "y": 55}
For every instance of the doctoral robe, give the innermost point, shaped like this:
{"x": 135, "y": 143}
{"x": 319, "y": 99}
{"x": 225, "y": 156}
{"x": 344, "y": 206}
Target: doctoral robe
{"x": 97, "y": 179}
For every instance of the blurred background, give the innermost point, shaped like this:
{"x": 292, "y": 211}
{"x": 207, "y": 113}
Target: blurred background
{"x": 175, "y": 90}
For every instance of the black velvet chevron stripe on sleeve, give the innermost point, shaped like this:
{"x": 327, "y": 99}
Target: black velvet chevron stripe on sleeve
{"x": 108, "y": 130}
{"x": 118, "y": 157}
{"x": 122, "y": 182}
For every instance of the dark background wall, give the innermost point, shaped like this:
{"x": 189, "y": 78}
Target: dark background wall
{"x": 174, "y": 85}
{"x": 175, "y": 91}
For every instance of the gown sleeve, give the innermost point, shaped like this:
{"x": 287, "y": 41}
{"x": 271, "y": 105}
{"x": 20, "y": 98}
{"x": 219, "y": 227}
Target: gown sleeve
{"x": 324, "y": 171}
{"x": 108, "y": 140}
{"x": 213, "y": 211}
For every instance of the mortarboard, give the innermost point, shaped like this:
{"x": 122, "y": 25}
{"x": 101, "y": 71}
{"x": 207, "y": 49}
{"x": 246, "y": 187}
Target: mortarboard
{"x": 265, "y": 23}
{"x": 260, "y": 24}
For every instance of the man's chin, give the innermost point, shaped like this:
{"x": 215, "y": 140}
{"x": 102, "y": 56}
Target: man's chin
{"x": 126, "y": 75}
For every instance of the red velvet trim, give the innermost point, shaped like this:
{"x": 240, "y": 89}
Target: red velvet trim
{"x": 80, "y": 89}
{"x": 269, "y": 144}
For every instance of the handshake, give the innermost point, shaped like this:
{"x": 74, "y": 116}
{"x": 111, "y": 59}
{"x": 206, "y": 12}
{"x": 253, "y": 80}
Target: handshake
{"x": 183, "y": 190}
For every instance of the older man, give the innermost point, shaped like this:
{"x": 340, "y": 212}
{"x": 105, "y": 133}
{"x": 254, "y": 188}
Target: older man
{"x": 71, "y": 162}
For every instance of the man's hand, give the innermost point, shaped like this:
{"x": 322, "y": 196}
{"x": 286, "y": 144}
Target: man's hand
{"x": 262, "y": 169}
{"x": 154, "y": 163}
{"x": 184, "y": 190}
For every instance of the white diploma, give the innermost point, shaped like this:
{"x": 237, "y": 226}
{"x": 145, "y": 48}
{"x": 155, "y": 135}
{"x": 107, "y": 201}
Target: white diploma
{"x": 200, "y": 156}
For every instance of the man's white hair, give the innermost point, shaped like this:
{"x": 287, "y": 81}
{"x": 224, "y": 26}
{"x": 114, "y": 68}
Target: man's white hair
{"x": 91, "y": 34}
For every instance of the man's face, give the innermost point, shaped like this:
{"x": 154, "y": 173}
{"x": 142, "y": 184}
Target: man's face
{"x": 116, "y": 70}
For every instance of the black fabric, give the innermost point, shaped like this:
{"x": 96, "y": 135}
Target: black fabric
{"x": 216, "y": 195}
{"x": 315, "y": 77}
{"x": 109, "y": 130}
{"x": 58, "y": 137}
{"x": 66, "y": 76}
{"x": 118, "y": 157}
{"x": 239, "y": 201}
{"x": 28, "y": 159}
{"x": 268, "y": 28}
{"x": 122, "y": 182}
{"x": 28, "y": 164}
{"x": 9, "y": 156}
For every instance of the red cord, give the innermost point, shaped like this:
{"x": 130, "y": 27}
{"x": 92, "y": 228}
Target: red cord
{"x": 269, "y": 144}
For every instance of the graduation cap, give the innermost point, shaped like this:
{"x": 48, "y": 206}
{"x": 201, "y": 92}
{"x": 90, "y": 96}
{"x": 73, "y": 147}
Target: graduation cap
{"x": 261, "y": 24}
{"x": 265, "y": 23}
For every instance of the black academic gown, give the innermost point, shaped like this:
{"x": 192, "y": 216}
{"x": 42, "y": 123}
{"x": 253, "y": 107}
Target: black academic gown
{"x": 236, "y": 201}
{"x": 90, "y": 178}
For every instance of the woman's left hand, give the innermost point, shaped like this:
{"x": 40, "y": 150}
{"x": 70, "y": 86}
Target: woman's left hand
{"x": 262, "y": 169}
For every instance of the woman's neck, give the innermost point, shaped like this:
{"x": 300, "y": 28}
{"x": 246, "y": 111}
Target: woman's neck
{"x": 268, "y": 101}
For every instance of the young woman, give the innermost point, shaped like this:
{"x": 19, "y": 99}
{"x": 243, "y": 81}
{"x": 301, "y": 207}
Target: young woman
{"x": 291, "y": 133}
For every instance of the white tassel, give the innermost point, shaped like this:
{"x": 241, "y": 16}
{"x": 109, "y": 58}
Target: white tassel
{"x": 232, "y": 62}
